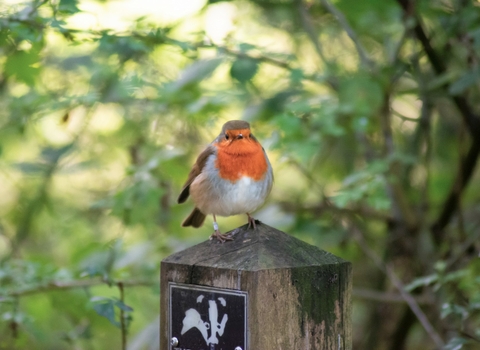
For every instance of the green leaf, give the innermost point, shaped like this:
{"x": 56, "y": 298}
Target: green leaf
{"x": 475, "y": 34}
{"x": 123, "y": 306}
{"x": 126, "y": 47}
{"x": 244, "y": 69}
{"x": 20, "y": 65}
{"x": 245, "y": 47}
{"x": 296, "y": 76}
{"x": 421, "y": 282}
{"x": 105, "y": 308}
{"x": 467, "y": 80}
{"x": 31, "y": 168}
{"x": 68, "y": 6}
{"x": 52, "y": 155}
{"x": 456, "y": 343}
{"x": 366, "y": 185}
{"x": 454, "y": 309}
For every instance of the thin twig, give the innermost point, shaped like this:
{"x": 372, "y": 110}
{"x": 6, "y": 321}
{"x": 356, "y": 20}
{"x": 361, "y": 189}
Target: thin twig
{"x": 460, "y": 218}
{"x": 424, "y": 132}
{"x": 350, "y": 32}
{"x": 393, "y": 58}
{"x": 262, "y": 58}
{"x": 401, "y": 208}
{"x": 463, "y": 177}
{"x": 54, "y": 286}
{"x": 383, "y": 297}
{"x": 123, "y": 326}
{"x": 471, "y": 336}
{"x": 409, "y": 299}
{"x": 305, "y": 172}
{"x": 327, "y": 206}
{"x": 412, "y": 303}
{"x": 460, "y": 253}
{"x": 307, "y": 25}
{"x": 257, "y": 57}
{"x": 405, "y": 118}
{"x": 306, "y": 21}
{"x": 13, "y": 322}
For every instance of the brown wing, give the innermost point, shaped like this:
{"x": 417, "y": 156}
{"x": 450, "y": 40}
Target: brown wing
{"x": 196, "y": 170}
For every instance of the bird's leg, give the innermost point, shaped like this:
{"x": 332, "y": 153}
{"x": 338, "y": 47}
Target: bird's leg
{"x": 222, "y": 237}
{"x": 251, "y": 221}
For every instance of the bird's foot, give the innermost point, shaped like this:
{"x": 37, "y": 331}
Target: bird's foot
{"x": 251, "y": 222}
{"x": 222, "y": 237}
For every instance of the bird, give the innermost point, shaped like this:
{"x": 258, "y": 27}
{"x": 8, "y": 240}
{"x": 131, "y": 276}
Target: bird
{"x": 232, "y": 176}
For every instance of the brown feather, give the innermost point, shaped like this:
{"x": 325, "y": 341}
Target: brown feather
{"x": 196, "y": 170}
{"x": 235, "y": 125}
{"x": 195, "y": 219}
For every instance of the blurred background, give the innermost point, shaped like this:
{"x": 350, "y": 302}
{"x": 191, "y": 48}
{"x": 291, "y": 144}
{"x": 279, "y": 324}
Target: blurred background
{"x": 369, "y": 111}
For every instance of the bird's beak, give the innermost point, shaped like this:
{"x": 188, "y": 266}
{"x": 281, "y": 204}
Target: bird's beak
{"x": 239, "y": 136}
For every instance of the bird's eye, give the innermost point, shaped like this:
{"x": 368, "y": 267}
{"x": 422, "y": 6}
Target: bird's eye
{"x": 226, "y": 137}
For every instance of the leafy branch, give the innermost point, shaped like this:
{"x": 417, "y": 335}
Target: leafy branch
{"x": 472, "y": 121}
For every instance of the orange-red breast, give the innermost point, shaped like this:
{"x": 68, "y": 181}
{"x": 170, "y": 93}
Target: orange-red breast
{"x": 231, "y": 176}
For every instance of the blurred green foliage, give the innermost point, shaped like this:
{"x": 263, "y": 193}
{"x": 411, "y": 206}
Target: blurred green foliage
{"x": 369, "y": 112}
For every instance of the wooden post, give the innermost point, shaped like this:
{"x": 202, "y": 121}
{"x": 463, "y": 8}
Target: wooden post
{"x": 263, "y": 290}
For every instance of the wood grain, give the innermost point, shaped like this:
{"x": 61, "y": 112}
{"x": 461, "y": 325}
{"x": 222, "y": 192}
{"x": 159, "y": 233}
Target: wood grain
{"x": 299, "y": 295}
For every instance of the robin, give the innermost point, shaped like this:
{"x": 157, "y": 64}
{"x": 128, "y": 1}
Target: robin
{"x": 231, "y": 176}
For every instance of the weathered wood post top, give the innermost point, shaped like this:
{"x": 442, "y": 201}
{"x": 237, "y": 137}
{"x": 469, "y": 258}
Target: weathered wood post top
{"x": 265, "y": 290}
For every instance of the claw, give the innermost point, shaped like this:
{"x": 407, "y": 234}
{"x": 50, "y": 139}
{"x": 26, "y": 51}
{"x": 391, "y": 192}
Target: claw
{"x": 222, "y": 237}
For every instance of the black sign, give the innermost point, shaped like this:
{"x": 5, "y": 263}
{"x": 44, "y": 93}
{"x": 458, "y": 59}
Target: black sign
{"x": 205, "y": 318}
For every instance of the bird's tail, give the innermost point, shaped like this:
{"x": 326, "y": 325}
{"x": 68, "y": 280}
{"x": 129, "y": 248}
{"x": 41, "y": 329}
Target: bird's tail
{"x": 195, "y": 219}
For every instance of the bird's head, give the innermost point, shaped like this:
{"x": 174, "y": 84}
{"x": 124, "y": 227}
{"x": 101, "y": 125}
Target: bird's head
{"x": 237, "y": 137}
